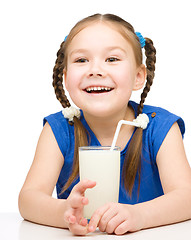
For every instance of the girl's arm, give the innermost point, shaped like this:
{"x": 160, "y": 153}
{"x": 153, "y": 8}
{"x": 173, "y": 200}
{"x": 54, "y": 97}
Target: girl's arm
{"x": 36, "y": 203}
{"x": 175, "y": 175}
{"x": 173, "y": 206}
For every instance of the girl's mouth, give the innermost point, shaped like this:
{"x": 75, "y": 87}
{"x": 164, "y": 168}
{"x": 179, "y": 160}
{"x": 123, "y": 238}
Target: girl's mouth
{"x": 98, "y": 89}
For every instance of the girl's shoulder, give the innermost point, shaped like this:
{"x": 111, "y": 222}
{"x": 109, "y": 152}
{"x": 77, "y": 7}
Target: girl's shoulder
{"x": 160, "y": 123}
{"x": 57, "y": 122}
{"x": 160, "y": 117}
{"x": 63, "y": 132}
{"x": 58, "y": 116}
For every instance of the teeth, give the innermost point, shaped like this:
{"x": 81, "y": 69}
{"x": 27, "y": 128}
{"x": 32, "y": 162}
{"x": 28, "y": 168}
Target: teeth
{"x": 97, "y": 89}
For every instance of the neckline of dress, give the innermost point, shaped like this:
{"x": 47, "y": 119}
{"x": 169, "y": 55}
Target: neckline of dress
{"x": 123, "y": 151}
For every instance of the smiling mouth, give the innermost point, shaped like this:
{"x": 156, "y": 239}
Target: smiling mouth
{"x": 98, "y": 89}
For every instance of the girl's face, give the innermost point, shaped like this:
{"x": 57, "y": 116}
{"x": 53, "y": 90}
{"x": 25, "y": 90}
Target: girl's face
{"x": 101, "y": 71}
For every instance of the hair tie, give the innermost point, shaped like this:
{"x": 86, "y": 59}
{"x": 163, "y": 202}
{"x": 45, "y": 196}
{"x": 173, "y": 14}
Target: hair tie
{"x": 70, "y": 113}
{"x": 142, "y": 120}
{"x": 65, "y": 38}
{"x": 141, "y": 39}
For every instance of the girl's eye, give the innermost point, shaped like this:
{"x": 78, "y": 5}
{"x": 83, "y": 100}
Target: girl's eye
{"x": 81, "y": 60}
{"x": 112, "y": 59}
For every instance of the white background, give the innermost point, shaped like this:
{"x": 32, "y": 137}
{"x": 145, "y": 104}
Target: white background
{"x": 31, "y": 32}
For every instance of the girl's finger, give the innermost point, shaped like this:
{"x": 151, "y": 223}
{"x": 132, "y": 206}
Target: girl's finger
{"x": 113, "y": 223}
{"x": 78, "y": 229}
{"x": 77, "y": 201}
{"x": 72, "y": 219}
{"x": 69, "y": 217}
{"x": 83, "y": 222}
{"x": 83, "y": 185}
{"x": 107, "y": 220}
{"x": 97, "y": 215}
{"x": 122, "y": 228}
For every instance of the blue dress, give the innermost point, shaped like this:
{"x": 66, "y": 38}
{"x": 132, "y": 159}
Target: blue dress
{"x": 160, "y": 122}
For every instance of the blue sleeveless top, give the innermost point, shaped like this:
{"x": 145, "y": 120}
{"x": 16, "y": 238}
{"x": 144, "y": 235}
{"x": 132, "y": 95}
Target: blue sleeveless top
{"x": 160, "y": 122}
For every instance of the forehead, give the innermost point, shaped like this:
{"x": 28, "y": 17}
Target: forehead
{"x": 96, "y": 34}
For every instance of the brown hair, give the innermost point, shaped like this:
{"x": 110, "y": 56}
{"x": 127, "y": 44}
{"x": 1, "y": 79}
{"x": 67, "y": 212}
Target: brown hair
{"x": 132, "y": 163}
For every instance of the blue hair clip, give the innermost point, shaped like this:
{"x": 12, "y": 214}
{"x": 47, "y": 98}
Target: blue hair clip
{"x": 141, "y": 39}
{"x": 65, "y": 38}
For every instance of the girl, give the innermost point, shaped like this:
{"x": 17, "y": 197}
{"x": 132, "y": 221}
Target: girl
{"x": 101, "y": 60}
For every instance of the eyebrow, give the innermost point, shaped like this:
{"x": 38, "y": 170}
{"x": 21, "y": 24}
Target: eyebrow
{"x": 116, "y": 48}
{"x": 83, "y": 50}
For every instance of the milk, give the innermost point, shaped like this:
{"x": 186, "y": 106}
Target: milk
{"x": 103, "y": 166}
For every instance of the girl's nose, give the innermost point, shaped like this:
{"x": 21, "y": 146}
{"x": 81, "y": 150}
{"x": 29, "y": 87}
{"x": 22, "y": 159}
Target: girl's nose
{"x": 96, "y": 74}
{"x": 96, "y": 71}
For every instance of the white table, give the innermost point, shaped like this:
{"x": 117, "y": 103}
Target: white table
{"x": 13, "y": 227}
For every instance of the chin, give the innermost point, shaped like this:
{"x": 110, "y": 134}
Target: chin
{"x": 101, "y": 113}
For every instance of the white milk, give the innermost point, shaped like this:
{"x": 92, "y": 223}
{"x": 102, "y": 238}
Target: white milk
{"x": 103, "y": 166}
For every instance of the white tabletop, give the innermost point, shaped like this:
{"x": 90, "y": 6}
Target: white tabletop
{"x": 13, "y": 227}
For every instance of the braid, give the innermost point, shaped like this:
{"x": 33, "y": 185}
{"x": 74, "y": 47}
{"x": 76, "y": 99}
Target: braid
{"x": 81, "y": 139}
{"x": 58, "y": 78}
{"x": 150, "y": 53}
{"x": 80, "y": 132}
{"x": 132, "y": 163}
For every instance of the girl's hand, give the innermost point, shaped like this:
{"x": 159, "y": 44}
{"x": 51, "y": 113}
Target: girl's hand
{"x": 77, "y": 224}
{"x": 116, "y": 218}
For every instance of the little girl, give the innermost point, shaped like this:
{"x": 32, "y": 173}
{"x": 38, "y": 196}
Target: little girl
{"x": 101, "y": 61}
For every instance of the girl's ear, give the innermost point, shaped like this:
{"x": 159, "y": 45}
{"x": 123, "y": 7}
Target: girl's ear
{"x": 140, "y": 77}
{"x": 65, "y": 82}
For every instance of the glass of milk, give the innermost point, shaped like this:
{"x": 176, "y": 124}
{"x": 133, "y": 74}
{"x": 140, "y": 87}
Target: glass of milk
{"x": 100, "y": 164}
